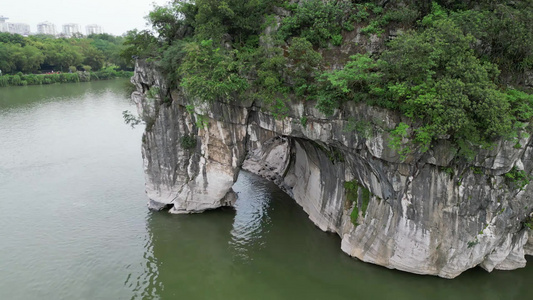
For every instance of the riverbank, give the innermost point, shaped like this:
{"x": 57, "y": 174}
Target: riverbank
{"x": 40, "y": 79}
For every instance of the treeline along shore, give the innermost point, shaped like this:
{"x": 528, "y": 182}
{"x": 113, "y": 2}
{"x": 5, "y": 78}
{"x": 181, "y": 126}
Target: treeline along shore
{"x": 42, "y": 59}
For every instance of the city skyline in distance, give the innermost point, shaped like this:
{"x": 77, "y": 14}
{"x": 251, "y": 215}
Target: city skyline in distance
{"x": 49, "y": 28}
{"x": 114, "y": 16}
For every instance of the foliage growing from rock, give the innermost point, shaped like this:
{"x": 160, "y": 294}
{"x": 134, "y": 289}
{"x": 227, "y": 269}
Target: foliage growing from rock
{"x": 362, "y": 128}
{"x": 518, "y": 177}
{"x": 351, "y": 188}
{"x": 172, "y": 22}
{"x": 131, "y": 119}
{"x": 304, "y": 59}
{"x": 354, "y": 82}
{"x": 188, "y": 142}
{"x": 528, "y": 222}
{"x": 444, "y": 74}
{"x": 140, "y": 44}
{"x": 354, "y": 191}
{"x": 504, "y": 34}
{"x": 208, "y": 73}
{"x": 433, "y": 76}
{"x": 316, "y": 20}
{"x": 396, "y": 141}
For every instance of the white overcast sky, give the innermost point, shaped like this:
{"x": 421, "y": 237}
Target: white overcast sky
{"x": 115, "y": 16}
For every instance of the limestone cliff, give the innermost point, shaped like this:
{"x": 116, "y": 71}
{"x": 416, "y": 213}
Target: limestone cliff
{"x": 428, "y": 213}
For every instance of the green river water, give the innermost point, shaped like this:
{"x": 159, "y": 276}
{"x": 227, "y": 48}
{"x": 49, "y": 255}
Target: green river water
{"x": 74, "y": 222}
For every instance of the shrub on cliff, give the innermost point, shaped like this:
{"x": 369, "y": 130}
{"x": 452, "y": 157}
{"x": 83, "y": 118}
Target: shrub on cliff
{"x": 208, "y": 73}
{"x": 433, "y": 76}
{"x": 316, "y": 20}
{"x": 140, "y": 44}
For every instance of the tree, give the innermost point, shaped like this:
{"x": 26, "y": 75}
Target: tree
{"x": 173, "y": 21}
{"x": 139, "y": 44}
{"x": 29, "y": 54}
{"x": 29, "y": 59}
{"x": 7, "y": 58}
{"x": 434, "y": 75}
{"x": 9, "y": 38}
{"x": 208, "y": 73}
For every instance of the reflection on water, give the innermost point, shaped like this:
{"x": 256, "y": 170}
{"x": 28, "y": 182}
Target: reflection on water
{"x": 252, "y": 221}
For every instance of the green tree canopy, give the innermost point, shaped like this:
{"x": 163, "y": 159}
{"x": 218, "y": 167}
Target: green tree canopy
{"x": 30, "y": 54}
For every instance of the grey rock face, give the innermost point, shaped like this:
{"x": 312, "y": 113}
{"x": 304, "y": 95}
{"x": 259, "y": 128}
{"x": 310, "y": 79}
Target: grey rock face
{"x": 429, "y": 213}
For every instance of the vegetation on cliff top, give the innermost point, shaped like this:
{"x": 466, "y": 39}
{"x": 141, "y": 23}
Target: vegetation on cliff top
{"x": 458, "y": 69}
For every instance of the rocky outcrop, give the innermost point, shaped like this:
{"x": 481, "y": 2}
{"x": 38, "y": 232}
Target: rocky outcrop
{"x": 427, "y": 213}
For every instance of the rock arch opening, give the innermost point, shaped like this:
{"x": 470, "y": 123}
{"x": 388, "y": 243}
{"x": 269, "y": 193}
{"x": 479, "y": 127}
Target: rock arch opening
{"x": 306, "y": 172}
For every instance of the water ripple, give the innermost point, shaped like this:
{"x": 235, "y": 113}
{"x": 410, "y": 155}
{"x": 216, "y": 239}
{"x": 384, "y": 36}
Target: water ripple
{"x": 145, "y": 285}
{"x": 251, "y": 221}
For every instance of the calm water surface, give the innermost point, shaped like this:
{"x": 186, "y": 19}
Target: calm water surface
{"x": 74, "y": 224}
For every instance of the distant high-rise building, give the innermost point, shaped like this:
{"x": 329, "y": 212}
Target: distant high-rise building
{"x": 3, "y": 24}
{"x": 46, "y": 28}
{"x": 71, "y": 29}
{"x": 93, "y": 29}
{"x": 19, "y": 28}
